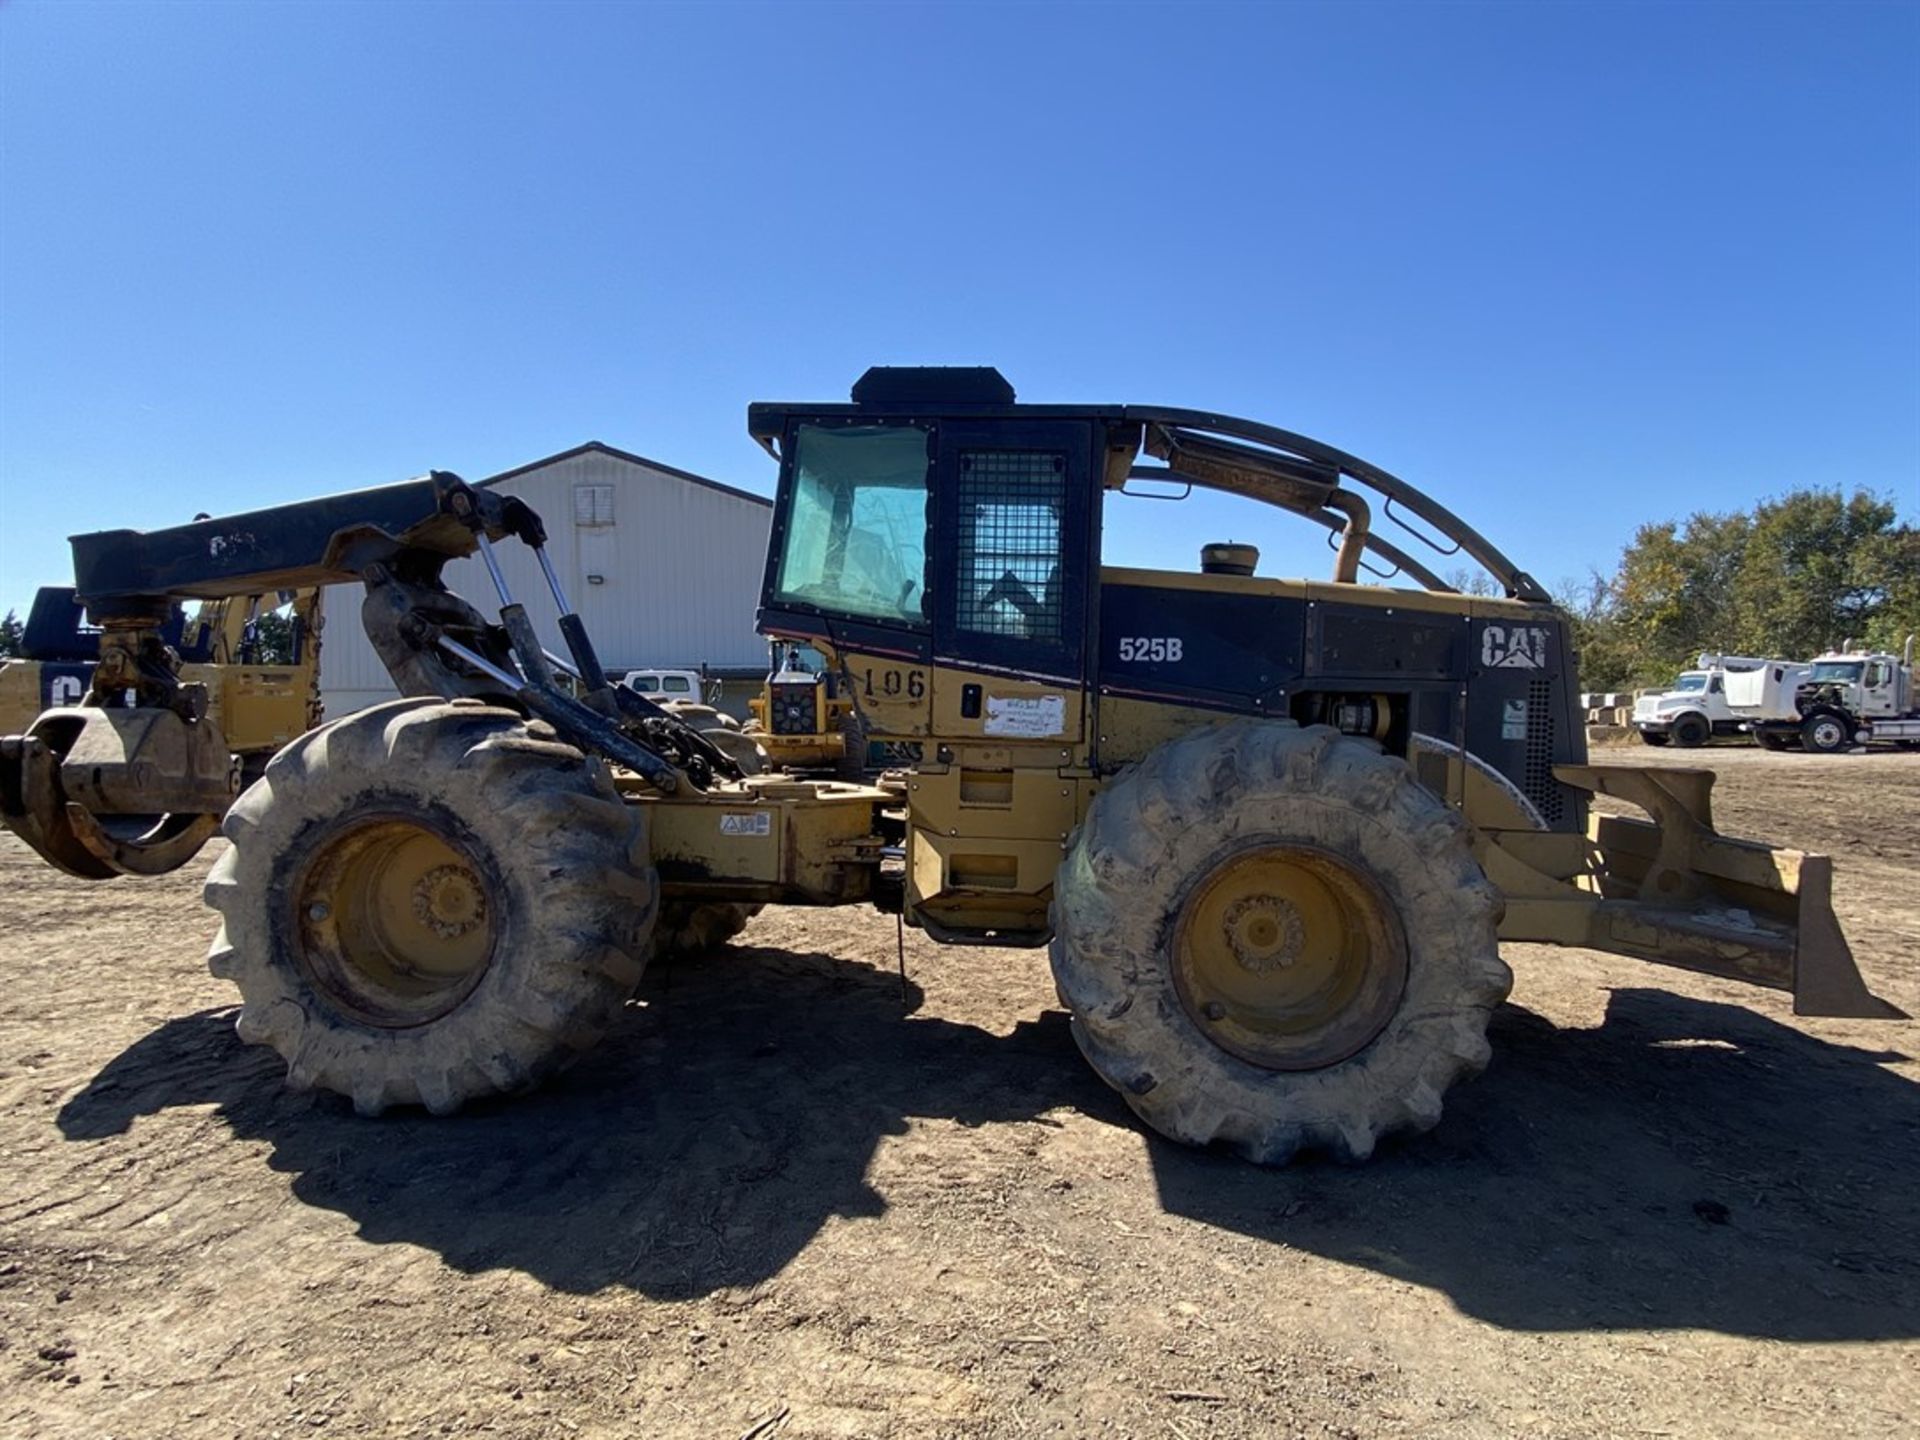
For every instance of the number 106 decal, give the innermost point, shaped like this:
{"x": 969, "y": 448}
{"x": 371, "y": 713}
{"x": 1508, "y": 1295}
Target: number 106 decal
{"x": 1151, "y": 647}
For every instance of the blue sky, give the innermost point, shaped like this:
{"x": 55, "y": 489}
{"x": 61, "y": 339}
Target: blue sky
{"x": 1568, "y": 267}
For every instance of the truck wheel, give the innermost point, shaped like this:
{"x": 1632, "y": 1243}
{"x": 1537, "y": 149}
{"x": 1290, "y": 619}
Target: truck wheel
{"x": 1653, "y": 737}
{"x": 1690, "y": 732}
{"x": 1826, "y": 733}
{"x": 1277, "y": 938}
{"x": 694, "y": 928}
{"x": 428, "y": 903}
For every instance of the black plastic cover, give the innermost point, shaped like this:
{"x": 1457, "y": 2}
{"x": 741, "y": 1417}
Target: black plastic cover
{"x": 932, "y": 385}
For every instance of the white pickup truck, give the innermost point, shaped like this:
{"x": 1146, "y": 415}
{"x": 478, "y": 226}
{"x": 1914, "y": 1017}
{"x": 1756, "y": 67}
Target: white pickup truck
{"x": 664, "y": 684}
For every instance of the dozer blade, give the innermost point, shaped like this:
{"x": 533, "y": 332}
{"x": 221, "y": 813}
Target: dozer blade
{"x": 1673, "y": 890}
{"x": 100, "y": 793}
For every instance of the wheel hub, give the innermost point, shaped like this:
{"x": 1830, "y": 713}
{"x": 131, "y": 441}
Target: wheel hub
{"x": 448, "y": 900}
{"x": 1288, "y": 957}
{"x": 1265, "y": 932}
{"x": 393, "y": 920}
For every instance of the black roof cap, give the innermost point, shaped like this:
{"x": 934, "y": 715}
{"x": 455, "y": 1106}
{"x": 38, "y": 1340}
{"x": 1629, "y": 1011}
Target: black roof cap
{"x": 932, "y": 384}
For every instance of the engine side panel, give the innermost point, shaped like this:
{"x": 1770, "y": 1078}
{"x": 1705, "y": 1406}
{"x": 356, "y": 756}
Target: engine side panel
{"x": 1488, "y": 678}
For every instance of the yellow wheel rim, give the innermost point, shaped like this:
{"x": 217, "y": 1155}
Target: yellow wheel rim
{"x": 1288, "y": 957}
{"x": 394, "y": 920}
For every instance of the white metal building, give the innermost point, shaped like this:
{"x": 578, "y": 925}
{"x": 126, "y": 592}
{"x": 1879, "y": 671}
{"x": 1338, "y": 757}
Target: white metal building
{"x": 663, "y": 566}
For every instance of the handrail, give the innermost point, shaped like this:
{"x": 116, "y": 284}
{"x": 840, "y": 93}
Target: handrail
{"x": 1516, "y": 582}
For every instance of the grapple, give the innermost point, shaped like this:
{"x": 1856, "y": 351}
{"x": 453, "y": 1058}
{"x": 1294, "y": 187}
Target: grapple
{"x": 100, "y": 792}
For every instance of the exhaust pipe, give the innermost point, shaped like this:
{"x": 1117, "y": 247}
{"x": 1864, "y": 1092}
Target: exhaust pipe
{"x": 1353, "y": 540}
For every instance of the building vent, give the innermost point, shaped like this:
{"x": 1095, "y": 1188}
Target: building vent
{"x": 593, "y": 504}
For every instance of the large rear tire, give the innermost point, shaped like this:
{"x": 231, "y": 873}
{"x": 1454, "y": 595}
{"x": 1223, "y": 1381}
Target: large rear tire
{"x": 429, "y": 903}
{"x": 1277, "y": 939}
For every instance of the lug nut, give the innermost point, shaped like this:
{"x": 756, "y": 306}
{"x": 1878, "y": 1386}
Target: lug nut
{"x": 317, "y": 912}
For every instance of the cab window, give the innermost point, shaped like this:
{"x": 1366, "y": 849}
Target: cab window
{"x": 1877, "y": 672}
{"x": 856, "y": 524}
{"x": 676, "y": 685}
{"x": 1010, "y": 508}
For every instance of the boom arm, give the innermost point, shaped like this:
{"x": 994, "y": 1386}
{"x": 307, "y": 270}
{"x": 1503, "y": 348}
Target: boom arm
{"x": 135, "y": 779}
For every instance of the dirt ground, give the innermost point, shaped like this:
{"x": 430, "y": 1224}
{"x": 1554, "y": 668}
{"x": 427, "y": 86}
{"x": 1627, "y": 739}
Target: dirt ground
{"x": 785, "y": 1202}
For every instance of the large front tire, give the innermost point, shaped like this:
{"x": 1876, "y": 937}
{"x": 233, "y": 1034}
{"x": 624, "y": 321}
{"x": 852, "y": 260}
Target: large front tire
{"x": 1826, "y": 732}
{"x": 1277, "y": 939}
{"x": 1690, "y": 732}
{"x": 428, "y": 903}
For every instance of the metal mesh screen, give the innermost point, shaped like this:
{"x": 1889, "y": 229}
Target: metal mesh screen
{"x": 1540, "y": 786}
{"x": 1010, "y": 503}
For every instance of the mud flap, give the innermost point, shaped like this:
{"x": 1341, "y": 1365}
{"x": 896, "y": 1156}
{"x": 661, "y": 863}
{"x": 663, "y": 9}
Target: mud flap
{"x": 1674, "y": 891}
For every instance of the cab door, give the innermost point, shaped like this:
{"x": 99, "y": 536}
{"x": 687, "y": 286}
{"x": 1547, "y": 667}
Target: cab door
{"x": 998, "y": 794}
{"x": 1011, "y": 579}
{"x": 1877, "y": 698}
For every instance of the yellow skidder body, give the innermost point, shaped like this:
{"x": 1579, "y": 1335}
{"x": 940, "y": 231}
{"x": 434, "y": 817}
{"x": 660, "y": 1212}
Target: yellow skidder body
{"x": 1272, "y": 832}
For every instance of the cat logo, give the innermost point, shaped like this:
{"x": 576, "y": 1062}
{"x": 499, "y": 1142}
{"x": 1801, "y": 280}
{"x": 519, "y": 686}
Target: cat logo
{"x": 1514, "y": 647}
{"x": 63, "y": 684}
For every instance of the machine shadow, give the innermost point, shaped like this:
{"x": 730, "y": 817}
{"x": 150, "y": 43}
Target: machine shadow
{"x": 702, "y": 1146}
{"x": 1685, "y": 1164}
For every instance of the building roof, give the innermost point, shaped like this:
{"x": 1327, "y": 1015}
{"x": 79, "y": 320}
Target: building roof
{"x": 595, "y": 446}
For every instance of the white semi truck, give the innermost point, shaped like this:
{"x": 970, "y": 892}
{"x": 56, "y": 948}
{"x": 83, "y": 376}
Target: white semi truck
{"x": 1848, "y": 697}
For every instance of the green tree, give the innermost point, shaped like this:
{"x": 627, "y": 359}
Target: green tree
{"x": 12, "y": 634}
{"x": 1820, "y": 568}
{"x": 1605, "y": 662}
{"x": 1674, "y": 593}
{"x": 1791, "y": 577}
{"x": 1895, "y": 559}
{"x": 273, "y": 638}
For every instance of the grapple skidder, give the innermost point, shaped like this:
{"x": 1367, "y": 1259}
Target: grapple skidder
{"x": 1273, "y": 831}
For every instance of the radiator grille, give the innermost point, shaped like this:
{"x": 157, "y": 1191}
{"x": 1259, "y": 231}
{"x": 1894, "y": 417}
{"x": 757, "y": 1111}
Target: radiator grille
{"x": 1010, "y": 502}
{"x": 1538, "y": 779}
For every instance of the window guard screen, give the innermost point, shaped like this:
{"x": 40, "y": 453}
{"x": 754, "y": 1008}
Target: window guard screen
{"x": 1009, "y": 543}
